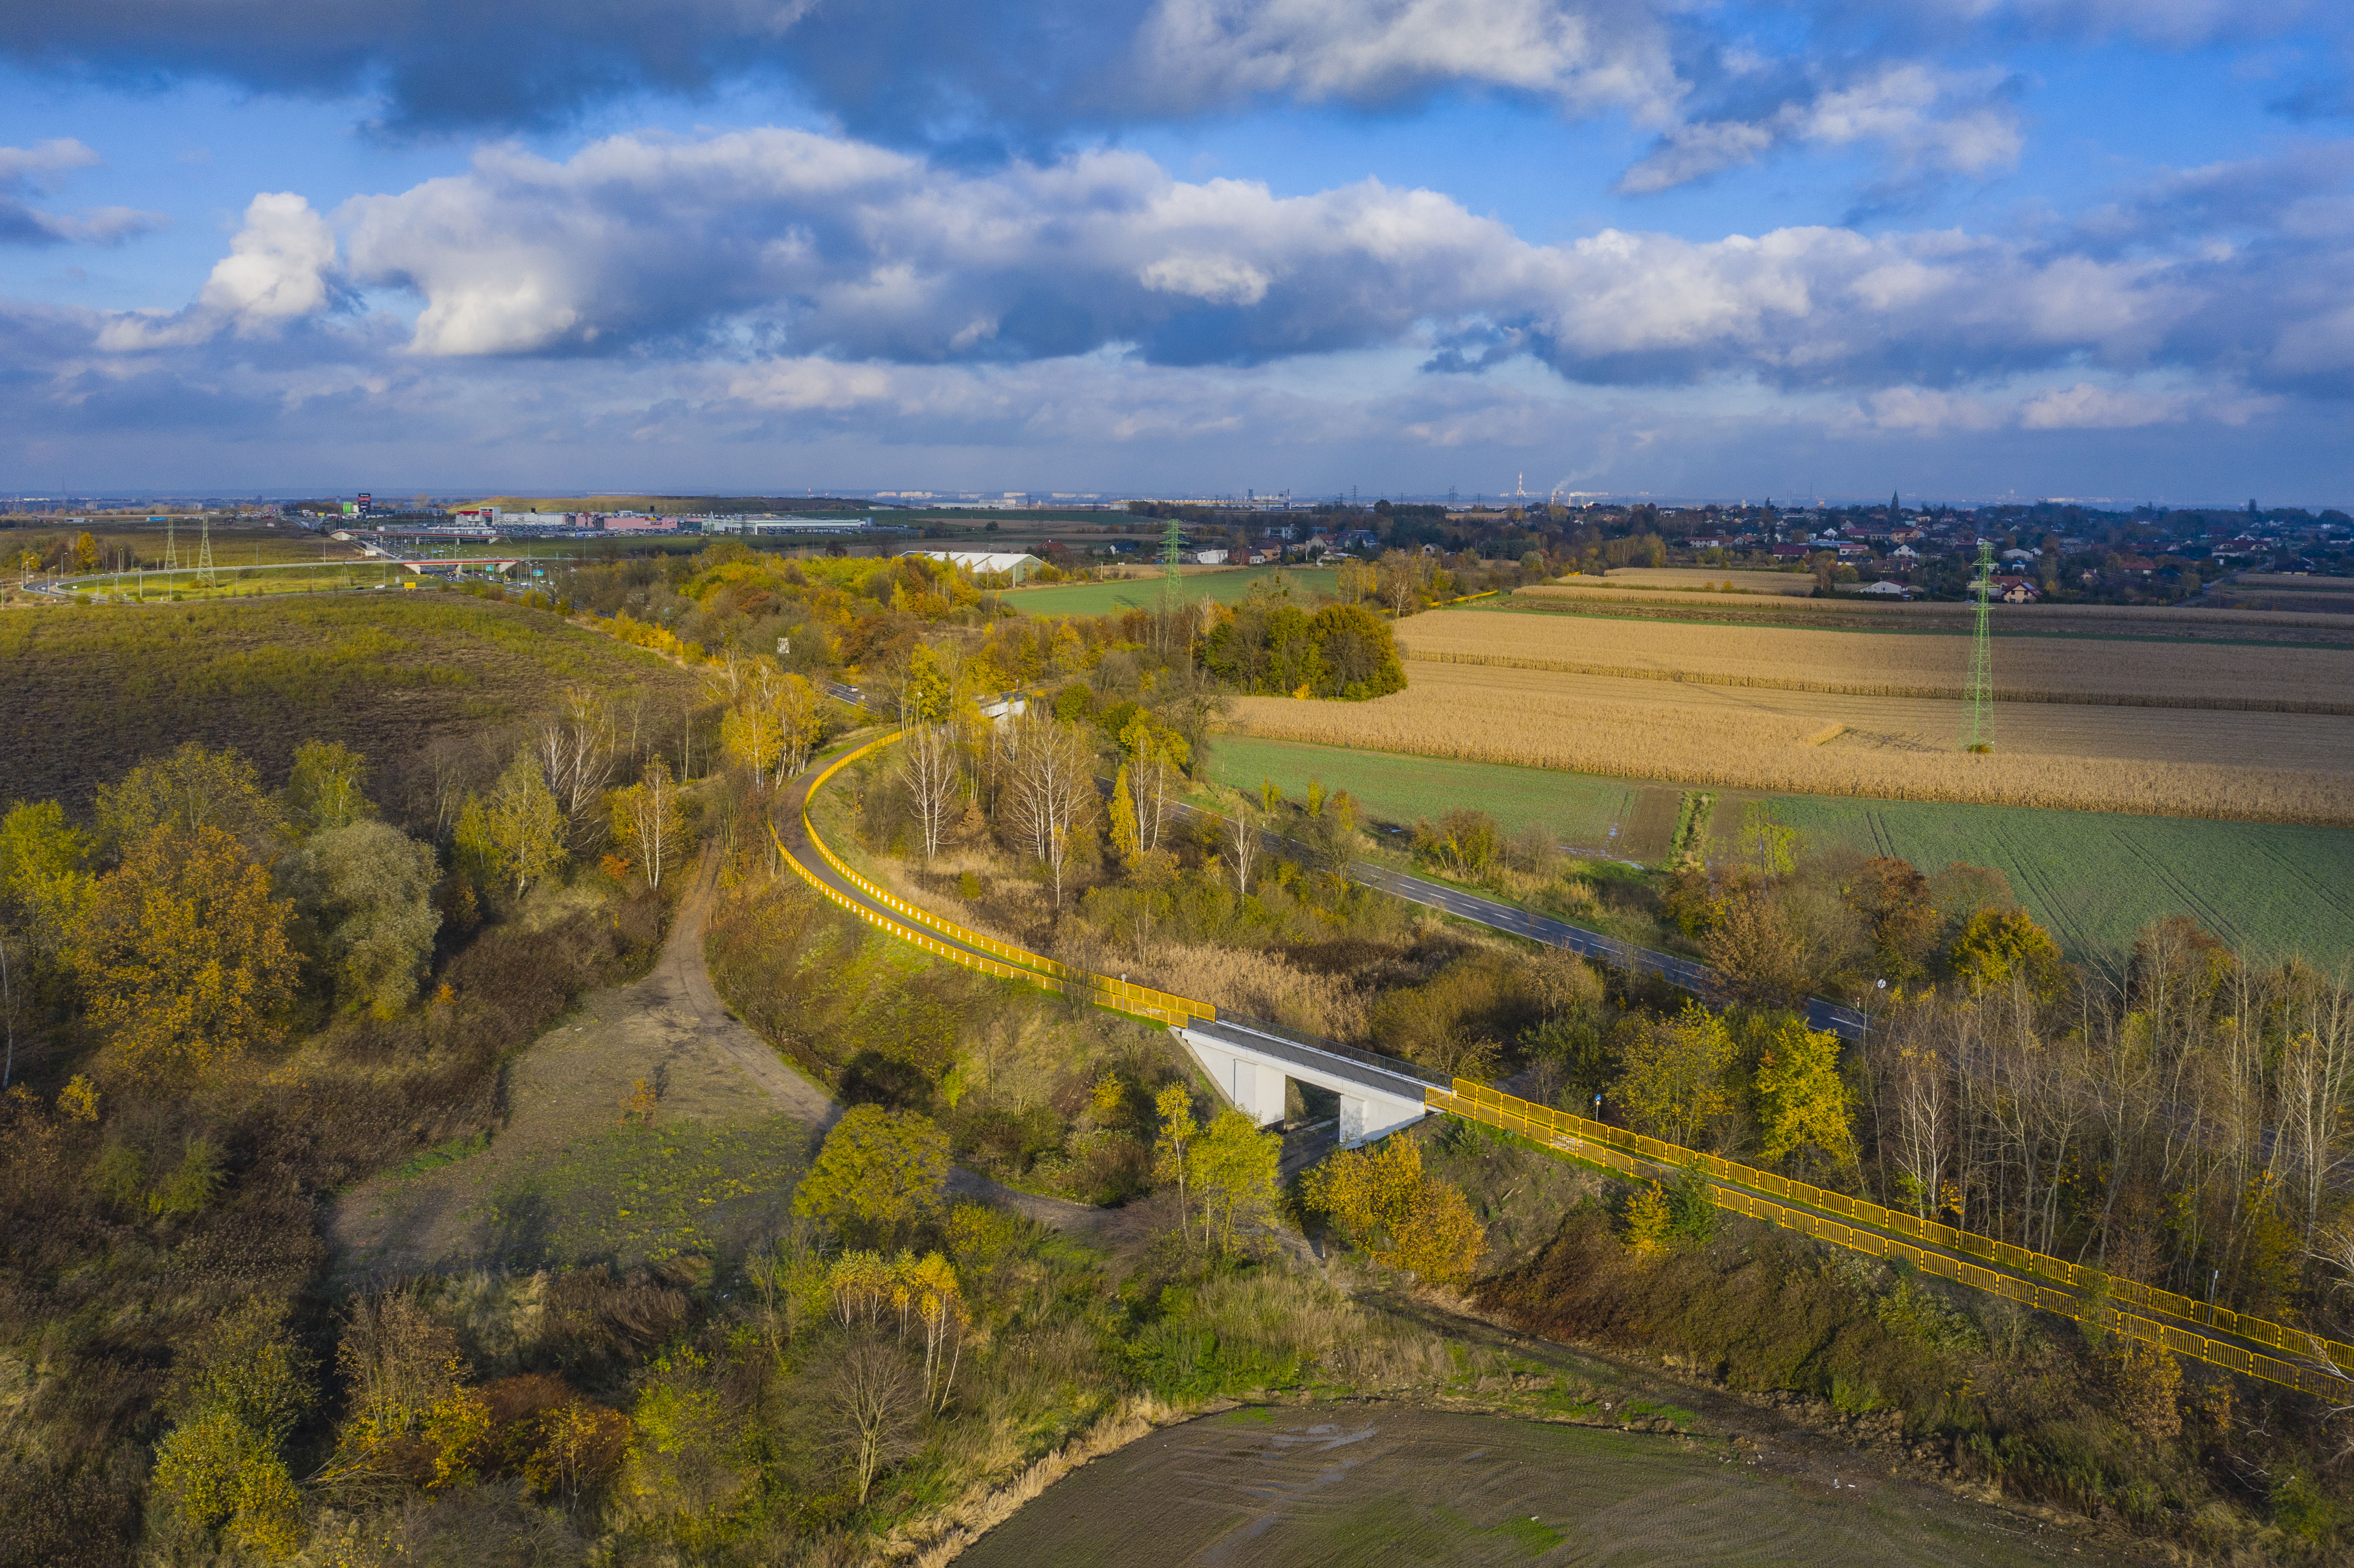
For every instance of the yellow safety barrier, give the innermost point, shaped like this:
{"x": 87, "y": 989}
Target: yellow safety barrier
{"x": 1035, "y": 967}
{"x": 2080, "y": 1292}
{"x": 2089, "y": 1293}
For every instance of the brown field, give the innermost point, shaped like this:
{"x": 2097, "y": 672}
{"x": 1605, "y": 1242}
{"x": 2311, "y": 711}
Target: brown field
{"x": 2162, "y": 761}
{"x": 1701, "y": 579}
{"x": 1337, "y": 1486}
{"x": 2026, "y": 669}
{"x": 2194, "y": 621}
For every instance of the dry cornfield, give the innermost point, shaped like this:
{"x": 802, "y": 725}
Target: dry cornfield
{"x": 1863, "y": 663}
{"x": 1592, "y": 595}
{"x": 2163, "y": 761}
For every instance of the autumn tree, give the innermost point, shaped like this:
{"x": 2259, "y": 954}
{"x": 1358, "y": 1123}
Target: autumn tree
{"x": 1241, "y": 841}
{"x": 520, "y": 833}
{"x": 183, "y": 953}
{"x": 1802, "y": 1101}
{"x": 240, "y": 1386}
{"x": 879, "y": 1174}
{"x": 193, "y": 788}
{"x": 1175, "y": 1130}
{"x": 648, "y": 823}
{"x": 371, "y": 887}
{"x": 42, "y": 883}
{"x": 927, "y": 695}
{"x": 1999, "y": 946}
{"x": 1231, "y": 1171}
{"x": 1673, "y": 1082}
{"x": 324, "y": 793}
{"x": 1383, "y": 1199}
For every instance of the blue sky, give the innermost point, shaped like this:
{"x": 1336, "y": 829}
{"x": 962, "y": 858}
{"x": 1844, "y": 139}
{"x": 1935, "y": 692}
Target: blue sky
{"x": 1969, "y": 249}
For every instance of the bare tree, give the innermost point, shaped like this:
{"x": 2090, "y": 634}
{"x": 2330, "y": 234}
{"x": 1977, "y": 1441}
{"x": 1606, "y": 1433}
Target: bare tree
{"x": 1403, "y": 574}
{"x": 649, "y": 819}
{"x": 873, "y": 1398}
{"x": 1051, "y": 782}
{"x": 576, "y": 752}
{"x": 1242, "y": 844}
{"x": 931, "y": 766}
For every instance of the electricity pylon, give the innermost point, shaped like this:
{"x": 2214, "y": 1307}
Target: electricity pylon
{"x": 1979, "y": 735}
{"x": 171, "y": 549}
{"x": 204, "y": 575}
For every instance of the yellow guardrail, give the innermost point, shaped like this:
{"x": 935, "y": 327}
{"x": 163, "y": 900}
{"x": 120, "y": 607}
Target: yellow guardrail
{"x": 1009, "y": 961}
{"x": 2083, "y": 1294}
{"x": 2078, "y": 1292}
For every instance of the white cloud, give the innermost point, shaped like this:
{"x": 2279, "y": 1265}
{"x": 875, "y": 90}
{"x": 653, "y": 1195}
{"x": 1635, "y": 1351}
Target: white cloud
{"x": 789, "y": 241}
{"x": 280, "y": 267}
{"x": 1586, "y": 56}
{"x": 43, "y": 161}
{"x": 1924, "y": 122}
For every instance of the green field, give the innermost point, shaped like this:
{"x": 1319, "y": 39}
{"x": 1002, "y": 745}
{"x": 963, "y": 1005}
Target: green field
{"x": 1144, "y": 593}
{"x": 93, "y": 689}
{"x": 2094, "y": 878}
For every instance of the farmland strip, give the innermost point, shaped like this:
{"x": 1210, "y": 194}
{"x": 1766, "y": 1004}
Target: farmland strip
{"x": 1876, "y": 689}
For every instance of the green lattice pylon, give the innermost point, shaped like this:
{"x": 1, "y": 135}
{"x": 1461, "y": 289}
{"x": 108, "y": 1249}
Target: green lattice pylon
{"x": 1978, "y": 735}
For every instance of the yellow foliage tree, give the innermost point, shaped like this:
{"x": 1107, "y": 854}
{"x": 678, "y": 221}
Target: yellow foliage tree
{"x": 1649, "y": 1222}
{"x": 1674, "y": 1084}
{"x": 183, "y": 953}
{"x": 1383, "y": 1198}
{"x": 1801, "y": 1098}
{"x": 1125, "y": 841}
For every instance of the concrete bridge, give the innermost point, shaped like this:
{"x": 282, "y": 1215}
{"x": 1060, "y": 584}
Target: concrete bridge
{"x": 1249, "y": 1062}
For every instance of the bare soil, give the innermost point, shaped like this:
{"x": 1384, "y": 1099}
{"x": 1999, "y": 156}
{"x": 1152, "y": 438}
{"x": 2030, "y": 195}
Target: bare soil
{"x": 1356, "y": 1484}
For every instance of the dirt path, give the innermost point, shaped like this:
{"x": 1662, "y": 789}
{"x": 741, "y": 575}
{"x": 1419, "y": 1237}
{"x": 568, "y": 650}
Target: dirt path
{"x": 565, "y": 1180}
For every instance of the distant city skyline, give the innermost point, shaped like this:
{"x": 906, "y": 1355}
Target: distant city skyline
{"x": 1969, "y": 249}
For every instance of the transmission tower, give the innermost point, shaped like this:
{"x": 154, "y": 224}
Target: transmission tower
{"x": 171, "y": 550}
{"x": 204, "y": 575}
{"x": 1979, "y": 735}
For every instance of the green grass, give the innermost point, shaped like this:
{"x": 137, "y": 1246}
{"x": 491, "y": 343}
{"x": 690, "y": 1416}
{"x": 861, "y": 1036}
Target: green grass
{"x": 2094, "y": 878}
{"x": 1144, "y": 593}
{"x": 2269, "y": 890}
{"x": 1584, "y": 809}
{"x": 441, "y": 1154}
{"x": 639, "y": 1194}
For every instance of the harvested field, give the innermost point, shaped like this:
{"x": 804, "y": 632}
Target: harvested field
{"x": 1861, "y": 664}
{"x": 92, "y": 690}
{"x": 2161, "y": 761}
{"x": 2094, "y": 879}
{"x": 1703, "y": 579}
{"x": 2200, "y": 622}
{"x": 1309, "y": 1485}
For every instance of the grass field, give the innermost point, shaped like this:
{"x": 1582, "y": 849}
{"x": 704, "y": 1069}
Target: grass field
{"x": 1227, "y": 587}
{"x": 2094, "y": 878}
{"x": 92, "y": 690}
{"x": 1335, "y": 1486}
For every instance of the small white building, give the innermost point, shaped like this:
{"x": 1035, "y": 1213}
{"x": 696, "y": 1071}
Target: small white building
{"x": 1004, "y": 563}
{"x": 1210, "y": 558}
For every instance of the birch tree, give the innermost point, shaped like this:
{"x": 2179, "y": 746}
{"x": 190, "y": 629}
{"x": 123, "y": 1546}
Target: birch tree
{"x": 931, "y": 767}
{"x": 1051, "y": 785}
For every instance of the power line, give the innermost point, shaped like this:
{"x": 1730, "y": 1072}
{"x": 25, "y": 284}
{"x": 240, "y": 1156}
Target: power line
{"x": 1979, "y": 737}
